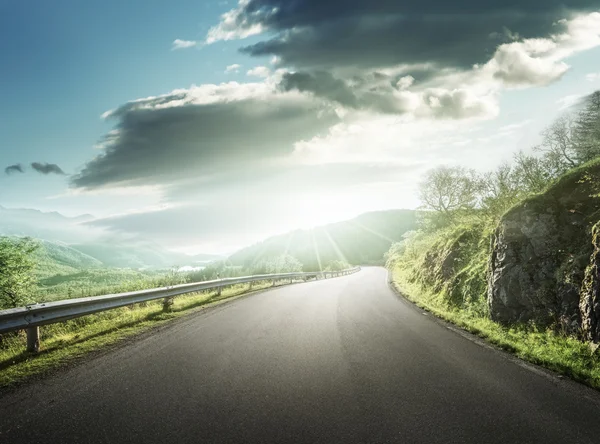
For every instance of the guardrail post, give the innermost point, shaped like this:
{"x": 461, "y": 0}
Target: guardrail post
{"x": 250, "y": 286}
{"x": 33, "y": 339}
{"x": 168, "y": 304}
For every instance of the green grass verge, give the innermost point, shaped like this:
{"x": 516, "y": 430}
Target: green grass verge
{"x": 67, "y": 342}
{"x": 554, "y": 351}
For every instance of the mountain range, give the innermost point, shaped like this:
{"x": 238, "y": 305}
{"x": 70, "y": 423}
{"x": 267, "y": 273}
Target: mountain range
{"x": 362, "y": 240}
{"x": 68, "y": 244}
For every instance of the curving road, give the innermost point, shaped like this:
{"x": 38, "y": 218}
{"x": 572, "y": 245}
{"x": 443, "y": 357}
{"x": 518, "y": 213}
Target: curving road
{"x": 336, "y": 361}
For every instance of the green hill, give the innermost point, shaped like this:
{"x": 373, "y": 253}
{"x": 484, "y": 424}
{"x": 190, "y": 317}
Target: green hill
{"x": 133, "y": 255}
{"x": 58, "y": 258}
{"x": 362, "y": 240}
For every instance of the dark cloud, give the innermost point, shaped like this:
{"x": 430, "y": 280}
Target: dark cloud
{"x": 374, "y": 91}
{"x": 16, "y": 168}
{"x": 353, "y": 33}
{"x": 171, "y": 138}
{"x": 47, "y": 168}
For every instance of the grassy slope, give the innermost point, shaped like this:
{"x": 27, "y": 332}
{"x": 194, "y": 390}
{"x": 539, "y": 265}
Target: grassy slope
{"x": 557, "y": 352}
{"x": 446, "y": 272}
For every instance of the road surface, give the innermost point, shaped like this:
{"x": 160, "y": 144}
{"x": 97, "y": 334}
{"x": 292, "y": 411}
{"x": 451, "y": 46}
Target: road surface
{"x": 336, "y": 361}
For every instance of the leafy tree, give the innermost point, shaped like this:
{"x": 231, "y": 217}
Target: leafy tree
{"x": 16, "y": 271}
{"x": 337, "y": 265}
{"x": 284, "y": 264}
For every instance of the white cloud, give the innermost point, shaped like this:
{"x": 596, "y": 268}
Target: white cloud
{"x": 405, "y": 82}
{"x": 540, "y": 61}
{"x": 568, "y": 101}
{"x": 527, "y": 63}
{"x": 259, "y": 71}
{"x": 235, "y": 68}
{"x": 183, "y": 44}
{"x": 233, "y": 25}
{"x": 593, "y": 77}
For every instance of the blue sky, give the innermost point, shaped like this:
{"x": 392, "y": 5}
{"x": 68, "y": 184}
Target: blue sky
{"x": 66, "y": 63}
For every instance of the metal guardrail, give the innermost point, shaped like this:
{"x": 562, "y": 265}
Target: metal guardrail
{"x": 31, "y": 317}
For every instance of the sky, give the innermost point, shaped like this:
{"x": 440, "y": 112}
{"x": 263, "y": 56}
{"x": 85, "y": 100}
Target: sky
{"x": 209, "y": 125}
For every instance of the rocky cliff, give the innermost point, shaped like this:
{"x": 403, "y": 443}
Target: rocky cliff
{"x": 540, "y": 258}
{"x": 589, "y": 304}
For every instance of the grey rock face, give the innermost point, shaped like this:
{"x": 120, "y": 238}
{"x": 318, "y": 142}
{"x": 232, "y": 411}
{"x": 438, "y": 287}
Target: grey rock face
{"x": 590, "y": 293}
{"x": 523, "y": 266}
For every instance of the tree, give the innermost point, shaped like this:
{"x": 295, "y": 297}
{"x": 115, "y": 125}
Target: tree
{"x": 533, "y": 173}
{"x": 283, "y": 264}
{"x": 559, "y": 144}
{"x": 16, "y": 271}
{"x": 501, "y": 189}
{"x": 337, "y": 265}
{"x": 448, "y": 189}
{"x": 587, "y": 129}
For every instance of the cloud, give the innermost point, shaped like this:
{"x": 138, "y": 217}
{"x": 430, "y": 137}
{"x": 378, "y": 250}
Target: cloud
{"x": 437, "y": 60}
{"x": 259, "y": 71}
{"x": 593, "y": 77}
{"x": 47, "y": 168}
{"x": 183, "y": 44}
{"x": 568, "y": 101}
{"x": 202, "y": 131}
{"x": 333, "y": 34}
{"x": 16, "y": 168}
{"x": 233, "y": 25}
{"x": 233, "y": 68}
{"x": 516, "y": 64}
{"x": 380, "y": 93}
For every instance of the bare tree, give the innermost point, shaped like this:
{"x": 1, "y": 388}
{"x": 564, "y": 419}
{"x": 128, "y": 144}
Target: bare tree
{"x": 534, "y": 173}
{"x": 587, "y": 129}
{"x": 501, "y": 189}
{"x": 447, "y": 189}
{"x": 558, "y": 143}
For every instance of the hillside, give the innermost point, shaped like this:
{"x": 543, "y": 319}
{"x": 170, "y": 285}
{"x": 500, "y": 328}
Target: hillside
{"x": 57, "y": 258}
{"x": 135, "y": 255}
{"x": 362, "y": 240}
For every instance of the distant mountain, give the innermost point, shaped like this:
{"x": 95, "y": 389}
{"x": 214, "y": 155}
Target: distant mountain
{"x": 362, "y": 240}
{"x": 51, "y": 226}
{"x": 73, "y": 235}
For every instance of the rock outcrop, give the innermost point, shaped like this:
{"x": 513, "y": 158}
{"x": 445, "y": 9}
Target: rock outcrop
{"x": 540, "y": 252}
{"x": 589, "y": 305}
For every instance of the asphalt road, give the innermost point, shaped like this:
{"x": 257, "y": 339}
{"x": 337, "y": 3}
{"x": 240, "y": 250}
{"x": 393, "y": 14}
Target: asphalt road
{"x": 336, "y": 361}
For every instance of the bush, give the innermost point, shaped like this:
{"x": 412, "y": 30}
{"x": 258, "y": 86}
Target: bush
{"x": 16, "y": 271}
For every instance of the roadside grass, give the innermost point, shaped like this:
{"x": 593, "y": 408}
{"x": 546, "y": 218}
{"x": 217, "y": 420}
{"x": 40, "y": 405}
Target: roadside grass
{"x": 66, "y": 342}
{"x": 547, "y": 348}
